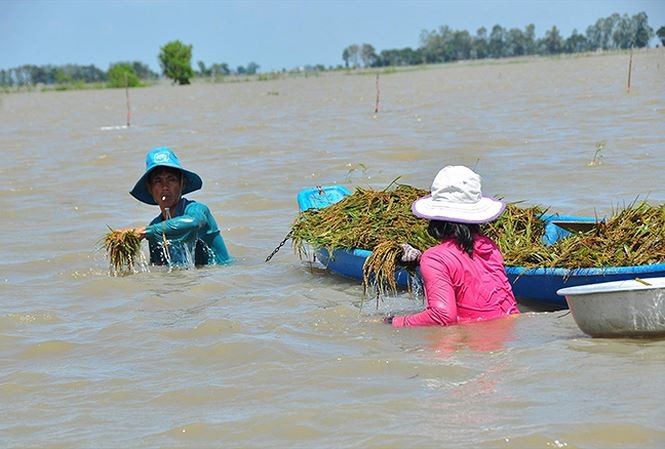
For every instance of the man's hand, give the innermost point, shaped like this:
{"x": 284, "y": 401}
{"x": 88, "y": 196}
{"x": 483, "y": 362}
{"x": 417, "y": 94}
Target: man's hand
{"x": 140, "y": 232}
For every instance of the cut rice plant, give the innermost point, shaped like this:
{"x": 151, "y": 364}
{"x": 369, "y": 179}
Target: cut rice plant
{"x": 380, "y": 221}
{"x": 122, "y": 248}
{"x": 632, "y": 236}
{"x": 368, "y": 219}
{"x": 518, "y": 233}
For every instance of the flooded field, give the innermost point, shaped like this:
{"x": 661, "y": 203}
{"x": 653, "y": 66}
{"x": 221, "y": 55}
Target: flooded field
{"x": 256, "y": 354}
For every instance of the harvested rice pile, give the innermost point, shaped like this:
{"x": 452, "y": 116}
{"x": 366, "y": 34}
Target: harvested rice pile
{"x": 634, "y": 235}
{"x": 380, "y": 220}
{"x": 368, "y": 219}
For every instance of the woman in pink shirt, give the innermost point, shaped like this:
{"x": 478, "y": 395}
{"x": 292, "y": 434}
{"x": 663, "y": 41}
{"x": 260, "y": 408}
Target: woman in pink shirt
{"x": 464, "y": 276}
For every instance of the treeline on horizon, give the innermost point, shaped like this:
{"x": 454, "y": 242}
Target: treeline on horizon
{"x": 437, "y": 46}
{"x": 448, "y": 45}
{"x": 77, "y": 75}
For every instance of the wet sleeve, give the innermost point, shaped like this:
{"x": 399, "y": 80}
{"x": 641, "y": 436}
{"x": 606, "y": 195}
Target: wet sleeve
{"x": 441, "y": 303}
{"x": 181, "y": 228}
{"x": 221, "y": 253}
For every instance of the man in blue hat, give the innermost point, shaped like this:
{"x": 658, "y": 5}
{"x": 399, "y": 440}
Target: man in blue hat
{"x": 185, "y": 232}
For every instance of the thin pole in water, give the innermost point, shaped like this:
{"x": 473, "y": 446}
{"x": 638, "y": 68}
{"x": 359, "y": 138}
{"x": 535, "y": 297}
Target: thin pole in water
{"x": 378, "y": 91}
{"x": 630, "y": 69}
{"x": 129, "y": 110}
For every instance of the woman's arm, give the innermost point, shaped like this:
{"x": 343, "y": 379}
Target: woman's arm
{"x": 441, "y": 302}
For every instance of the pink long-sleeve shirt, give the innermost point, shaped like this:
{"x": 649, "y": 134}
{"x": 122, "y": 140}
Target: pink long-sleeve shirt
{"x": 460, "y": 288}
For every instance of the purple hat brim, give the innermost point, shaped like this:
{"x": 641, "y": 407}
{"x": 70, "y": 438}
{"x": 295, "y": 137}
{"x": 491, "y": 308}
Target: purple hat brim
{"x": 469, "y": 216}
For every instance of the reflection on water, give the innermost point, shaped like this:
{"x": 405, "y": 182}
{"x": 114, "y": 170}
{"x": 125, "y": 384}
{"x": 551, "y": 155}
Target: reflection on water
{"x": 481, "y": 337}
{"x": 281, "y": 354}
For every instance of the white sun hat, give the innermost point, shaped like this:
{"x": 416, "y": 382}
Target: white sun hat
{"x": 456, "y": 196}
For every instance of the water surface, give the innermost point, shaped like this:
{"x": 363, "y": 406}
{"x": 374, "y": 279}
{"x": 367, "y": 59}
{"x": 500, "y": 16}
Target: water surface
{"x": 280, "y": 354}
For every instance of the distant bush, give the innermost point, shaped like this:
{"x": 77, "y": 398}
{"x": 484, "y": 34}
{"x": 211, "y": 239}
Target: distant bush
{"x": 175, "y": 59}
{"x": 122, "y": 74}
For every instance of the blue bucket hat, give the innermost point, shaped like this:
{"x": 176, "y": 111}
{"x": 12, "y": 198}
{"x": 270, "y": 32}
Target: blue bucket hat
{"x": 163, "y": 157}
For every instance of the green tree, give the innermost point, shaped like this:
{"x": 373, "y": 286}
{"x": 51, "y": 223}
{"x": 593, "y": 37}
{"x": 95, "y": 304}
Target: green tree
{"x": 623, "y": 34}
{"x": 552, "y": 43}
{"x": 643, "y": 32}
{"x": 437, "y": 46}
{"x": 661, "y": 34}
{"x": 368, "y": 55}
{"x": 351, "y": 56}
{"x": 5, "y": 78}
{"x": 480, "y": 46}
{"x": 576, "y": 43}
{"x": 515, "y": 42}
{"x": 398, "y": 57}
{"x": 220, "y": 70}
{"x": 87, "y": 73}
{"x": 360, "y": 55}
{"x": 62, "y": 77}
{"x": 600, "y": 34}
{"x": 203, "y": 71}
{"x": 346, "y": 55}
{"x": 461, "y": 46}
{"x": 122, "y": 74}
{"x": 497, "y": 41}
{"x": 175, "y": 58}
{"x": 530, "y": 39}
{"x": 252, "y": 68}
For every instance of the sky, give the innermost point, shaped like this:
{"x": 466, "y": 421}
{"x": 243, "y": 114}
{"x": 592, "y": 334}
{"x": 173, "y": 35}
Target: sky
{"x": 275, "y": 34}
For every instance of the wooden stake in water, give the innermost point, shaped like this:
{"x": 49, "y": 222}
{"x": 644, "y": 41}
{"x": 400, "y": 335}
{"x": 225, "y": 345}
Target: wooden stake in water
{"x": 630, "y": 69}
{"x": 129, "y": 110}
{"x": 376, "y": 107}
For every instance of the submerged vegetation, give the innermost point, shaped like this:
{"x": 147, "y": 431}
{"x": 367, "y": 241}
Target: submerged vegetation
{"x": 122, "y": 250}
{"x": 381, "y": 220}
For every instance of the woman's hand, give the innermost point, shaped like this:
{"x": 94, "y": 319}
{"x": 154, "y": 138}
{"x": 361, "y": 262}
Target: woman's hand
{"x": 409, "y": 253}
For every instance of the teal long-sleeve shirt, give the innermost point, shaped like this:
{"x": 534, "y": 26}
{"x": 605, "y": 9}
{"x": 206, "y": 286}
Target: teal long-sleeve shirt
{"x": 192, "y": 235}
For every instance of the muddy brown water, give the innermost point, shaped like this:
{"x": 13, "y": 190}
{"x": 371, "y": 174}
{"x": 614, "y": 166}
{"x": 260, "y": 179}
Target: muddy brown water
{"x": 256, "y": 354}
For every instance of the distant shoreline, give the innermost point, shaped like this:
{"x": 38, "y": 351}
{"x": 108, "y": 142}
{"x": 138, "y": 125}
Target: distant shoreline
{"x": 280, "y": 75}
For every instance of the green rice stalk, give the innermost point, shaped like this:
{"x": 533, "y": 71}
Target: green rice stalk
{"x": 632, "y": 236}
{"x": 122, "y": 248}
{"x": 518, "y": 233}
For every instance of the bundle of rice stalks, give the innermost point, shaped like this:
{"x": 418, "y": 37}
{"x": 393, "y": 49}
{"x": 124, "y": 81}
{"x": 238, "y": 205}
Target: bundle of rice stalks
{"x": 375, "y": 220}
{"x": 632, "y": 236}
{"x": 518, "y": 233}
{"x": 362, "y": 220}
{"x": 380, "y": 221}
{"x": 122, "y": 248}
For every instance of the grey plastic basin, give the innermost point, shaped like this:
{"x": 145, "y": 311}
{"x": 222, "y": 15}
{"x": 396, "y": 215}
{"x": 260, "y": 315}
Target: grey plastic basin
{"x": 619, "y": 309}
